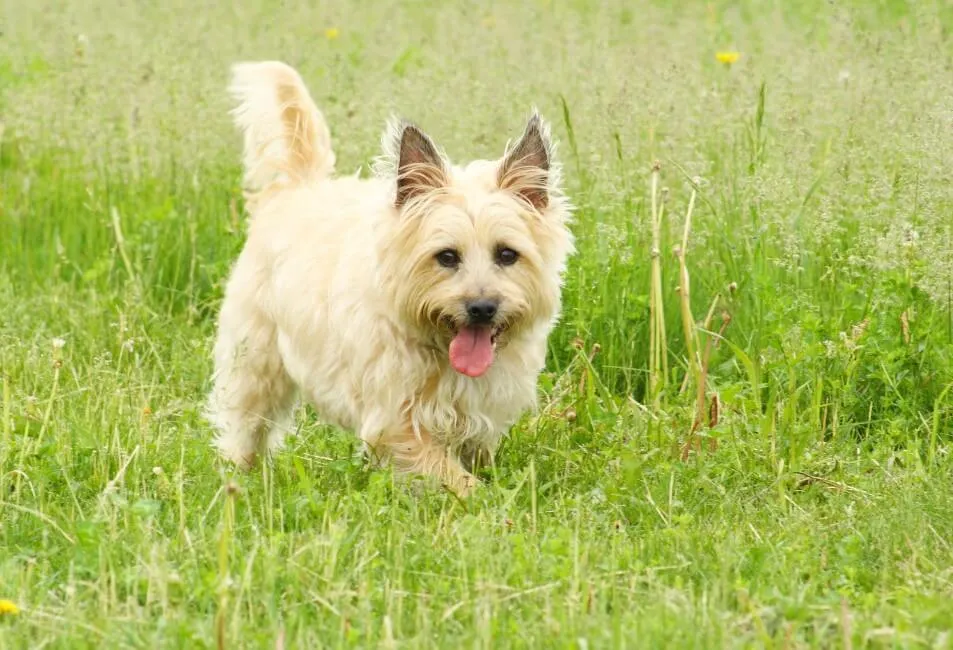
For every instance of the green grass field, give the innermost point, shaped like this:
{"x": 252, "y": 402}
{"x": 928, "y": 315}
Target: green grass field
{"x": 816, "y": 512}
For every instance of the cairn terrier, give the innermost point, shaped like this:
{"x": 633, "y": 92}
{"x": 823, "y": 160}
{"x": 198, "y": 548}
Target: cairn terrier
{"x": 412, "y": 307}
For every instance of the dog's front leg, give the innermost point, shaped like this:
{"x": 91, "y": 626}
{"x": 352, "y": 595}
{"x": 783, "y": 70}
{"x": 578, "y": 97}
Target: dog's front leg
{"x": 474, "y": 456}
{"x": 413, "y": 453}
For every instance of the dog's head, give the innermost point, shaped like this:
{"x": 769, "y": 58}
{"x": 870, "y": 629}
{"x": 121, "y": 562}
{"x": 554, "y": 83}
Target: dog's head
{"x": 476, "y": 253}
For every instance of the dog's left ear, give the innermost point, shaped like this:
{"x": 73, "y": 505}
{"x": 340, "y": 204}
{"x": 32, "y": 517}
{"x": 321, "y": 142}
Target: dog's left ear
{"x": 526, "y": 167}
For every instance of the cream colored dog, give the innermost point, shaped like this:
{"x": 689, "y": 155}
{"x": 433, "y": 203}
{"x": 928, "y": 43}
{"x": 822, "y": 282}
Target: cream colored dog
{"x": 412, "y": 308}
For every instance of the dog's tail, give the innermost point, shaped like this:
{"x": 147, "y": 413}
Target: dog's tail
{"x": 286, "y": 136}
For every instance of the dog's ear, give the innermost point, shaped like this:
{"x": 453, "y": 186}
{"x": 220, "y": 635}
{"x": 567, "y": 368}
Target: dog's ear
{"x": 420, "y": 167}
{"x": 526, "y": 167}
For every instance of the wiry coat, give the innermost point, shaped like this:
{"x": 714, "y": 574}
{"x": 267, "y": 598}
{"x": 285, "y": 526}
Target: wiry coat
{"x": 335, "y": 295}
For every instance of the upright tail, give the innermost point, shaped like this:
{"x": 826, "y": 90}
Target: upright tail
{"x": 286, "y": 136}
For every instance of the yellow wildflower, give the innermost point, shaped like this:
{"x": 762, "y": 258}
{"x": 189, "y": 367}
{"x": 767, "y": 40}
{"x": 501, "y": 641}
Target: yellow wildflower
{"x": 331, "y": 33}
{"x": 8, "y": 607}
{"x": 728, "y": 57}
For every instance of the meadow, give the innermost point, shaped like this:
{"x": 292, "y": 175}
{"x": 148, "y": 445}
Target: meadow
{"x": 811, "y": 508}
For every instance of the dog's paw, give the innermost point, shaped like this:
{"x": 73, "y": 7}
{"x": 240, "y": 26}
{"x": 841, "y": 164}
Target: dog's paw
{"x": 243, "y": 461}
{"x": 463, "y": 485}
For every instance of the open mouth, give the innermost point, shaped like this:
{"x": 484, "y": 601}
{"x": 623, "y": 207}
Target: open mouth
{"x": 495, "y": 334}
{"x": 473, "y": 348}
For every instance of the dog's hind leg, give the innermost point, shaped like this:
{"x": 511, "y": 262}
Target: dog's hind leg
{"x": 252, "y": 398}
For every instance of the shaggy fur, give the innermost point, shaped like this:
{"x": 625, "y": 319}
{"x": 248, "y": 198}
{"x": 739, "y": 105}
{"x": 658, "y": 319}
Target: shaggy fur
{"x": 341, "y": 294}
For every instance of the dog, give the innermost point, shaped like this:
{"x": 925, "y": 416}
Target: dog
{"x": 412, "y": 307}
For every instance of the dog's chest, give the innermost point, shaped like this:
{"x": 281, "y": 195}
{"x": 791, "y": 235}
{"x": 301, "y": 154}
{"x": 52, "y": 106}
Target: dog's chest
{"x": 456, "y": 408}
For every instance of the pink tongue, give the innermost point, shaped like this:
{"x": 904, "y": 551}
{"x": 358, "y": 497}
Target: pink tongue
{"x": 471, "y": 351}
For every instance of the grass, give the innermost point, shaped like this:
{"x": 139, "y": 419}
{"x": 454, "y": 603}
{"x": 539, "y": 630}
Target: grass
{"x": 814, "y": 510}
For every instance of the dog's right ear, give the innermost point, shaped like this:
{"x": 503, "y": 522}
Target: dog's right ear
{"x": 420, "y": 167}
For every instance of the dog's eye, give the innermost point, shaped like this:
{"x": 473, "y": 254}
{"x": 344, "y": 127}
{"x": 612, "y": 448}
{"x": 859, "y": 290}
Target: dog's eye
{"x": 506, "y": 256}
{"x": 448, "y": 258}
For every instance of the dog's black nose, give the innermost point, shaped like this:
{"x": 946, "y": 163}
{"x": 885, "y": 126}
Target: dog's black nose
{"x": 482, "y": 311}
